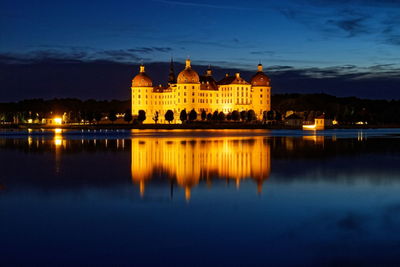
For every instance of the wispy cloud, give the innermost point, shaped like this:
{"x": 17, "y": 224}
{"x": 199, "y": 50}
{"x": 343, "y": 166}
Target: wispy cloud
{"x": 349, "y": 18}
{"x": 201, "y": 5}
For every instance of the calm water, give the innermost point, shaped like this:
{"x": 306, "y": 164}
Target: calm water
{"x": 200, "y": 197}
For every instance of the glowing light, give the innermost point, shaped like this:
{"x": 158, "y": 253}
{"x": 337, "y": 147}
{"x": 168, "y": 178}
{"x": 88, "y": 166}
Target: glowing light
{"x": 30, "y": 121}
{"x": 309, "y": 127}
{"x": 57, "y": 120}
{"x": 58, "y": 141}
{"x": 58, "y": 137}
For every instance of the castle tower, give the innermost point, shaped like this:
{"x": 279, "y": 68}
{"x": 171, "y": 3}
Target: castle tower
{"x": 142, "y": 87}
{"x": 188, "y": 86}
{"x": 260, "y": 83}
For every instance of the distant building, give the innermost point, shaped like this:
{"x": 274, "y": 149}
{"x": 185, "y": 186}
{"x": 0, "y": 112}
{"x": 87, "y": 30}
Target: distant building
{"x": 294, "y": 120}
{"x": 190, "y": 91}
{"x": 320, "y": 123}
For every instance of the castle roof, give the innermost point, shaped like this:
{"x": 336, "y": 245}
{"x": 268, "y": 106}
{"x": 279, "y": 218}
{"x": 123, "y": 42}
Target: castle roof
{"x": 260, "y": 78}
{"x": 232, "y": 80}
{"x": 188, "y": 75}
{"x": 142, "y": 79}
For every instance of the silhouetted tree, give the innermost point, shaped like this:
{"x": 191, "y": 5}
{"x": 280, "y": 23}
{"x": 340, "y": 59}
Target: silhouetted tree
{"x": 264, "y": 116}
{"x": 215, "y": 116}
{"x": 209, "y": 116}
{"x": 278, "y": 116}
{"x": 112, "y": 116}
{"x": 169, "y": 116}
{"x": 235, "y": 115}
{"x": 141, "y": 116}
{"x": 155, "y": 117}
{"x": 251, "y": 115}
{"x": 183, "y": 116}
{"x": 229, "y": 116}
{"x": 97, "y": 117}
{"x": 128, "y": 116}
{"x": 203, "y": 115}
{"x": 270, "y": 115}
{"x": 221, "y": 116}
{"x": 243, "y": 115}
{"x": 192, "y": 115}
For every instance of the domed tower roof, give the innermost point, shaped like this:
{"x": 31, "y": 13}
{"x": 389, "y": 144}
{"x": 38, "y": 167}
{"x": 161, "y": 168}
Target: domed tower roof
{"x": 142, "y": 79}
{"x": 188, "y": 75}
{"x": 260, "y": 78}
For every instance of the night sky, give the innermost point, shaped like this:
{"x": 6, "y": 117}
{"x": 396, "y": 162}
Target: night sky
{"x": 91, "y": 50}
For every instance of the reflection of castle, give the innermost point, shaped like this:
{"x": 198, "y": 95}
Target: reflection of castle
{"x": 190, "y": 91}
{"x": 189, "y": 160}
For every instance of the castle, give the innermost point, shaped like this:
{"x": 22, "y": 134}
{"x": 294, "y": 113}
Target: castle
{"x": 190, "y": 91}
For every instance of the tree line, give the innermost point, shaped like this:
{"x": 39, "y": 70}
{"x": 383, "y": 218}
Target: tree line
{"x": 187, "y": 117}
{"x": 346, "y": 110}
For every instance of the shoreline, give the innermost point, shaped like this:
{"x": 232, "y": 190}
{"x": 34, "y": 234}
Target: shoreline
{"x": 188, "y": 126}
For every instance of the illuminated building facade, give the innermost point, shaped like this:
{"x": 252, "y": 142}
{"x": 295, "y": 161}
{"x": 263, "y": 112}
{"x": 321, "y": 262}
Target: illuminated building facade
{"x": 190, "y": 91}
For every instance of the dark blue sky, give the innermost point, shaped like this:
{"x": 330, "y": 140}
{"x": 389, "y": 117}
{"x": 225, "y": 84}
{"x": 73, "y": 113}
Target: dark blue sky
{"x": 321, "y": 39}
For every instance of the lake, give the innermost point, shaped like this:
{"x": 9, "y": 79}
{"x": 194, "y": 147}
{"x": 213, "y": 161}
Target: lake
{"x": 187, "y": 197}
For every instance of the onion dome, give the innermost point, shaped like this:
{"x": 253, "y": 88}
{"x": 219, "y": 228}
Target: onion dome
{"x": 142, "y": 79}
{"x": 260, "y": 79}
{"x": 188, "y": 75}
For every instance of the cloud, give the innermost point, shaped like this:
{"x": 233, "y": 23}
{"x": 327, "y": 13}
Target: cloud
{"x": 83, "y": 54}
{"x": 148, "y": 50}
{"x": 268, "y": 53}
{"x": 348, "y": 18}
{"x": 201, "y": 5}
{"x": 118, "y": 55}
{"x": 353, "y": 26}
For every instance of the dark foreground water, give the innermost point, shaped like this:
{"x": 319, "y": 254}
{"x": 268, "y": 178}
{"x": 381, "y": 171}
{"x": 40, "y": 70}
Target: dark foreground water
{"x": 200, "y": 198}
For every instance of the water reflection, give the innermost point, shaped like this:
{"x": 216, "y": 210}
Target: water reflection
{"x": 187, "y": 161}
{"x": 191, "y": 160}
{"x": 325, "y": 199}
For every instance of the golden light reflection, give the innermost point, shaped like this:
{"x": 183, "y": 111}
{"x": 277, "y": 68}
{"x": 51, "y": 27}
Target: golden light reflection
{"x": 191, "y": 160}
{"x": 317, "y": 139}
{"x": 58, "y": 140}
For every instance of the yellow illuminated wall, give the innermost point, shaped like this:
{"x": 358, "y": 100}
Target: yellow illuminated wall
{"x": 237, "y": 94}
{"x": 189, "y": 160}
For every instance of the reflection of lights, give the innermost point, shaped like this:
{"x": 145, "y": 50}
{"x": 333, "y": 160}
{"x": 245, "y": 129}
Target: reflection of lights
{"x": 29, "y": 130}
{"x": 317, "y": 139}
{"x": 361, "y": 136}
{"x": 57, "y": 120}
{"x": 188, "y": 160}
{"x": 58, "y": 137}
{"x": 58, "y": 141}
